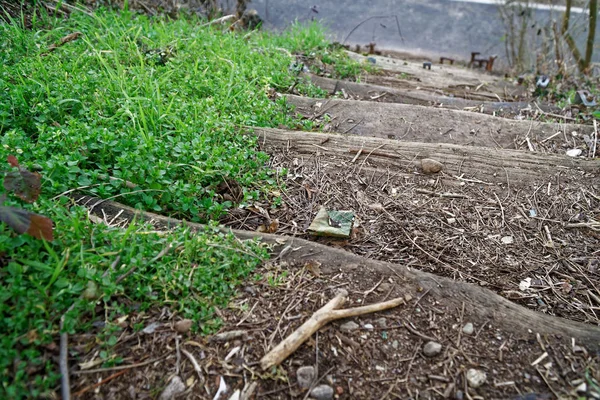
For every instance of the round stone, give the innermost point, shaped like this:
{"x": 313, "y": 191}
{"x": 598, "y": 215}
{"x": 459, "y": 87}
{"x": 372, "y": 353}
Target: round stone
{"x": 432, "y": 349}
{"x": 476, "y": 377}
{"x": 431, "y": 166}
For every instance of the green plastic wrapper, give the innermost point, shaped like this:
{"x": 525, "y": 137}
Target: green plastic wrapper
{"x": 332, "y": 223}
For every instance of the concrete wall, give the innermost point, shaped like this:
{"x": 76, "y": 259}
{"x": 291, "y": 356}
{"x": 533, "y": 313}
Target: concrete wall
{"x": 435, "y": 27}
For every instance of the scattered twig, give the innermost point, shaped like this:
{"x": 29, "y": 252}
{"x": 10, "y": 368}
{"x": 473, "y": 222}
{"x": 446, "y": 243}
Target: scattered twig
{"x": 551, "y": 137}
{"x": 102, "y": 382}
{"x": 194, "y": 364}
{"x": 315, "y": 383}
{"x": 447, "y": 195}
{"x": 547, "y": 384}
{"x": 353, "y": 126}
{"x": 160, "y": 255}
{"x": 221, "y": 20}
{"x": 120, "y": 367}
{"x": 501, "y": 208}
{"x": 321, "y": 317}
{"x": 417, "y": 333}
{"x": 358, "y": 153}
{"x": 249, "y": 313}
{"x": 462, "y": 313}
{"x": 65, "y": 387}
{"x": 112, "y": 266}
{"x": 178, "y": 350}
{"x": 553, "y": 115}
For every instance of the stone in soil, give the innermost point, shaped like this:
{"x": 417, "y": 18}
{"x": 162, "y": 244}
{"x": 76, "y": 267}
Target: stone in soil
{"x": 432, "y": 349}
{"x": 305, "y": 376}
{"x": 183, "y": 326}
{"x": 322, "y": 392}
{"x": 381, "y": 322}
{"x": 384, "y": 287}
{"x": 349, "y": 326}
{"x": 476, "y": 377}
{"x": 431, "y": 166}
{"x": 175, "y": 387}
{"x": 468, "y": 328}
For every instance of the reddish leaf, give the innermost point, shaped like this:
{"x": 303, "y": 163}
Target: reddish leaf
{"x": 12, "y": 160}
{"x": 40, "y": 227}
{"x": 25, "y": 184}
{"x": 16, "y": 218}
{"x": 23, "y": 221}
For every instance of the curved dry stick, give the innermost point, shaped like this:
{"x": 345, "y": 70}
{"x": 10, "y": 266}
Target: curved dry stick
{"x": 320, "y": 318}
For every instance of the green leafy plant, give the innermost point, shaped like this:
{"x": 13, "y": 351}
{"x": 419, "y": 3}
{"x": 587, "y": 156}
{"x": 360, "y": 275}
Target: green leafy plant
{"x": 160, "y": 132}
{"x": 26, "y": 185}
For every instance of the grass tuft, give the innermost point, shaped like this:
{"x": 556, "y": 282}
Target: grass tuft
{"x": 152, "y": 111}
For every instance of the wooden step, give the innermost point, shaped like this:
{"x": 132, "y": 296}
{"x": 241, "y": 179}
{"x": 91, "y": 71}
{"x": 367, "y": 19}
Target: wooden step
{"x": 467, "y": 163}
{"x": 415, "y": 123}
{"x": 386, "y": 94}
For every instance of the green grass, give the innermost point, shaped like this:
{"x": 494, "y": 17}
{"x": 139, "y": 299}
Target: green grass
{"x": 109, "y": 108}
{"x": 73, "y": 275}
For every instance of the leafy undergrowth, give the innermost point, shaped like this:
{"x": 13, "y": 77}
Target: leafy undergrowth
{"x": 151, "y": 111}
{"x": 94, "y": 273}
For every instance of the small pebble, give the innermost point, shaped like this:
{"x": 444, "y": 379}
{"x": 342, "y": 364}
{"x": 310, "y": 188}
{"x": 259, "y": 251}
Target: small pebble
{"x": 322, "y": 392}
{"x": 151, "y": 328}
{"x": 384, "y": 287}
{"x": 431, "y": 166}
{"x": 305, "y": 376}
{"x": 395, "y": 344}
{"x": 381, "y": 322}
{"x": 349, "y": 326}
{"x": 432, "y": 349}
{"x": 183, "y": 326}
{"x": 175, "y": 387}
{"x": 582, "y": 388}
{"x": 476, "y": 377}
{"x": 468, "y": 328}
{"x": 368, "y": 327}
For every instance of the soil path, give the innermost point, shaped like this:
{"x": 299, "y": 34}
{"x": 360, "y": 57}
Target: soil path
{"x": 444, "y": 333}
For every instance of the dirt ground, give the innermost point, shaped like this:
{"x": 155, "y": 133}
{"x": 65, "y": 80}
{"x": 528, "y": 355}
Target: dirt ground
{"x": 380, "y": 357}
{"x": 452, "y": 228}
{"x": 535, "y": 242}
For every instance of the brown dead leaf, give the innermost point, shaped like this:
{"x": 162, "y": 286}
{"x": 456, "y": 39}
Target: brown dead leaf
{"x": 309, "y": 191}
{"x": 273, "y": 226}
{"x": 314, "y": 267}
{"x": 566, "y": 287}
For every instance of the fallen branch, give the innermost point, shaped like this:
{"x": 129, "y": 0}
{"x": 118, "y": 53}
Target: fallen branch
{"x": 320, "y": 318}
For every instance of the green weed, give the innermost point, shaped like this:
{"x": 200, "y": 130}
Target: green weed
{"x": 152, "y": 111}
